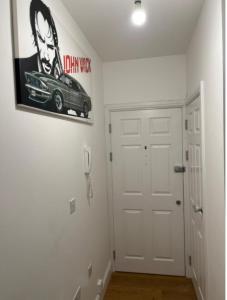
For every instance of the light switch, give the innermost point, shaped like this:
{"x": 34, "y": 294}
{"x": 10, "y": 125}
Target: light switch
{"x": 72, "y": 206}
{"x": 100, "y": 285}
{"x": 90, "y": 269}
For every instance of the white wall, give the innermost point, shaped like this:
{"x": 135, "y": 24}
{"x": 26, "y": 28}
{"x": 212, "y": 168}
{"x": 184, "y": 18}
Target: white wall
{"x": 145, "y": 80}
{"x": 205, "y": 62}
{"x": 45, "y": 251}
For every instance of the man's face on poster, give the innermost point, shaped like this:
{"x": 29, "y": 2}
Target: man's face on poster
{"x": 45, "y": 43}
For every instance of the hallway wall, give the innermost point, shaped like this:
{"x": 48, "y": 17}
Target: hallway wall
{"x": 45, "y": 251}
{"x": 205, "y": 62}
{"x": 145, "y": 80}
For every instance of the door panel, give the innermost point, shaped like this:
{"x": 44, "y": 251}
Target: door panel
{"x": 132, "y": 173}
{"x": 129, "y": 192}
{"x": 165, "y": 188}
{"x": 159, "y": 165}
{"x": 159, "y": 126}
{"x": 162, "y": 235}
{"x": 149, "y": 226}
{"x": 193, "y": 112}
{"x": 131, "y": 127}
{"x": 133, "y": 231}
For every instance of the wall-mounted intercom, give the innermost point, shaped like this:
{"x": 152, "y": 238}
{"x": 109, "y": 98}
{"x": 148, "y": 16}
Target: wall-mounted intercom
{"x": 87, "y": 170}
{"x": 87, "y": 160}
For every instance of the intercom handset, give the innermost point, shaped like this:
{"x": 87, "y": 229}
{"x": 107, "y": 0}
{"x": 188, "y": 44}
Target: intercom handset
{"x": 87, "y": 160}
{"x": 87, "y": 170}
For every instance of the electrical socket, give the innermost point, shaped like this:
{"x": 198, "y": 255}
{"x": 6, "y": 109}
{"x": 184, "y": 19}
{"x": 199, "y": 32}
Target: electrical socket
{"x": 77, "y": 295}
{"x": 100, "y": 285}
{"x": 90, "y": 269}
{"x": 72, "y": 206}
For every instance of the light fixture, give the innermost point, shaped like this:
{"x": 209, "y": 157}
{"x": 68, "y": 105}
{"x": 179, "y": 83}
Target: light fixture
{"x": 138, "y": 16}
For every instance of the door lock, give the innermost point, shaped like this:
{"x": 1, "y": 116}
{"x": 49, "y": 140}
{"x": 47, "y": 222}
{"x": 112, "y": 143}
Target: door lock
{"x": 178, "y": 202}
{"x": 179, "y": 169}
{"x": 197, "y": 209}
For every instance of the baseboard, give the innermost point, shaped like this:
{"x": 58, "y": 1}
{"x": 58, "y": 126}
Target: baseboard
{"x": 106, "y": 278}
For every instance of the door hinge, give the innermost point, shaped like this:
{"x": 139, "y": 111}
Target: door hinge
{"x": 186, "y": 124}
{"x": 114, "y": 255}
{"x": 190, "y": 260}
{"x": 111, "y": 156}
{"x": 110, "y": 128}
{"x": 186, "y": 155}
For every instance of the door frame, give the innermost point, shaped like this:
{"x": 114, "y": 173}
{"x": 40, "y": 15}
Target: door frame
{"x": 109, "y": 108}
{"x": 199, "y": 92}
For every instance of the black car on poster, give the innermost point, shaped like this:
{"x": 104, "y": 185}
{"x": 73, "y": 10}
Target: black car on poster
{"x": 62, "y": 94}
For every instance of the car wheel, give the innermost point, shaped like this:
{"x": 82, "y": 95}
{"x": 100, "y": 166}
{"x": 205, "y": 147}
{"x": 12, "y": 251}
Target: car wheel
{"x": 85, "y": 110}
{"x": 78, "y": 113}
{"x": 59, "y": 104}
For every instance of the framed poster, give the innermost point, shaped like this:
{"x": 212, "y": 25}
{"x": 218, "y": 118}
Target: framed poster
{"x": 52, "y": 72}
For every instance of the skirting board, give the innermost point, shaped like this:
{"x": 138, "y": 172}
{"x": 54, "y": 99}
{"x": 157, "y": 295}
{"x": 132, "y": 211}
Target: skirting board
{"x": 106, "y": 278}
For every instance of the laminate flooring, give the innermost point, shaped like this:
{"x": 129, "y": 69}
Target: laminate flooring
{"x": 130, "y": 286}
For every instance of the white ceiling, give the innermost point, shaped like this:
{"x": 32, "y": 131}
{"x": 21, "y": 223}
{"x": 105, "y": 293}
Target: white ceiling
{"x": 107, "y": 26}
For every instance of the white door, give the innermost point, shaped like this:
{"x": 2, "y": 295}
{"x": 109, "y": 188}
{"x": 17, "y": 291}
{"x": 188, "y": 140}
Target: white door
{"x": 193, "y": 112}
{"x": 147, "y": 192}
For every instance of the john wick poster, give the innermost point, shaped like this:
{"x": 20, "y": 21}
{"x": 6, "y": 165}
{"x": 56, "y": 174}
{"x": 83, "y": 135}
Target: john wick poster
{"x": 52, "y": 72}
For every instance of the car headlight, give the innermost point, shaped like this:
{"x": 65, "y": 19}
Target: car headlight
{"x": 44, "y": 86}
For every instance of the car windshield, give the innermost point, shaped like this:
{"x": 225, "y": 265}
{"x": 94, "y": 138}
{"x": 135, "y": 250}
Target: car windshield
{"x": 81, "y": 88}
{"x": 72, "y": 83}
{"x": 66, "y": 80}
{"x": 75, "y": 86}
{"x": 62, "y": 78}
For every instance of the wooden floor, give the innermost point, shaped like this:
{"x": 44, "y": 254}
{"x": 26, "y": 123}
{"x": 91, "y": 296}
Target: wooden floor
{"x": 125, "y": 286}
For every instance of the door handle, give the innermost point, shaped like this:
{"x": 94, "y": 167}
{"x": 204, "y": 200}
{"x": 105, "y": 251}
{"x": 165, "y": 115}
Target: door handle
{"x": 197, "y": 209}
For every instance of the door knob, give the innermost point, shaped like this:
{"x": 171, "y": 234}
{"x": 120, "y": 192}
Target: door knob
{"x": 197, "y": 209}
{"x": 178, "y": 202}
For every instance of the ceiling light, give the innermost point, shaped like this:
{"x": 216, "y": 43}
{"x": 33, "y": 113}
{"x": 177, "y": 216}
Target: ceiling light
{"x": 138, "y": 15}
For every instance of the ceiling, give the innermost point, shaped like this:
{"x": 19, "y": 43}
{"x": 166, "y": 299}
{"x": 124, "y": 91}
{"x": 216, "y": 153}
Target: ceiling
{"x": 107, "y": 26}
